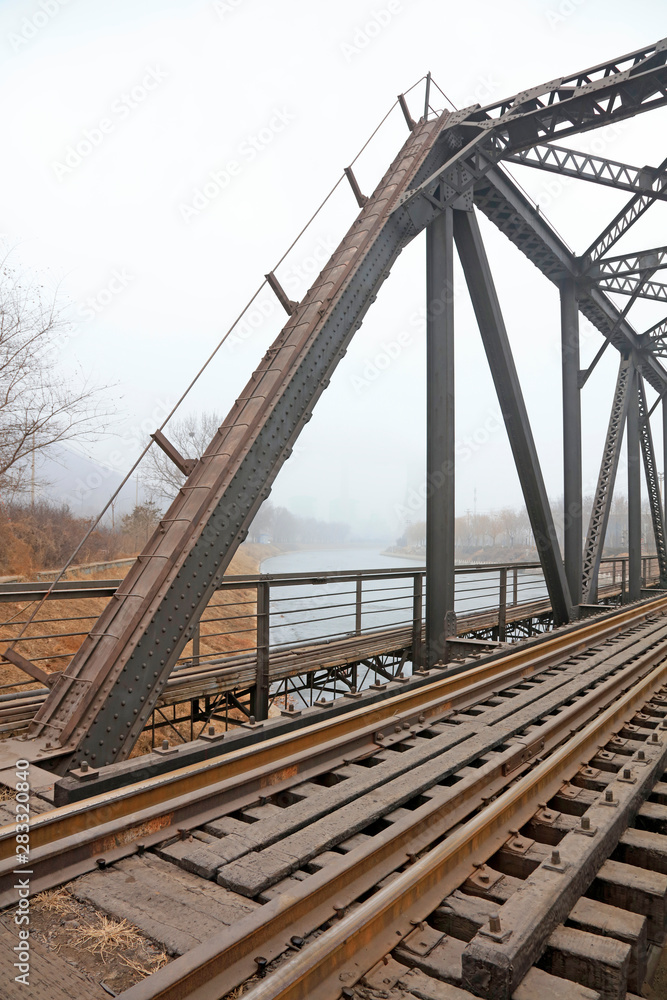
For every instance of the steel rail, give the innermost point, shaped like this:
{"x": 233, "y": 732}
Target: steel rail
{"x": 361, "y": 939}
{"x": 345, "y": 952}
{"x": 71, "y": 840}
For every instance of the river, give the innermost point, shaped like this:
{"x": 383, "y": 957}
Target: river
{"x": 319, "y": 611}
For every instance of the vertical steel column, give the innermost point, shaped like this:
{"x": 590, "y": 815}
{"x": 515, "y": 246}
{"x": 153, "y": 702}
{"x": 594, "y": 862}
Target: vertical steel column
{"x": 508, "y": 389}
{"x": 572, "y": 500}
{"x": 634, "y": 493}
{"x": 440, "y": 618}
{"x": 259, "y": 695}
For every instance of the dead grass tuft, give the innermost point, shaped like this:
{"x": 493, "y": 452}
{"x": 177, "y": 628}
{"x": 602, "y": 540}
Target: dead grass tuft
{"x": 56, "y": 900}
{"x": 6, "y": 794}
{"x": 148, "y": 969}
{"x": 108, "y": 936}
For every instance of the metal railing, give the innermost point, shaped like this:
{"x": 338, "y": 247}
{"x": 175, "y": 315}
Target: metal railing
{"x": 264, "y": 628}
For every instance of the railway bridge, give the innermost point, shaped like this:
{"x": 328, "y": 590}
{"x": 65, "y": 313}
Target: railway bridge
{"x": 459, "y": 798}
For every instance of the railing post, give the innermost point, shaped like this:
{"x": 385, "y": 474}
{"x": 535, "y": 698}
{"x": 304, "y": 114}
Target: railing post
{"x": 624, "y": 567}
{"x": 515, "y": 585}
{"x": 613, "y": 573}
{"x": 417, "y": 605}
{"x": 195, "y": 646}
{"x": 357, "y": 606}
{"x": 259, "y": 696}
{"x": 502, "y": 606}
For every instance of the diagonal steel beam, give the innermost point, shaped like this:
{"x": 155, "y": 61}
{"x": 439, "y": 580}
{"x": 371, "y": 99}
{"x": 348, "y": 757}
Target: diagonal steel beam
{"x": 652, "y": 484}
{"x": 499, "y": 353}
{"x": 597, "y": 527}
{"x": 587, "y": 167}
{"x": 504, "y": 204}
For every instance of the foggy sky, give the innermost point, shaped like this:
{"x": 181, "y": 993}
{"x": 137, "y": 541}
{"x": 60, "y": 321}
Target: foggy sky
{"x": 161, "y": 158}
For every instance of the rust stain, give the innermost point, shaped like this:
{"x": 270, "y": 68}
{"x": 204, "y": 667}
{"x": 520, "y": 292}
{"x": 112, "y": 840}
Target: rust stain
{"x": 275, "y": 777}
{"x": 132, "y": 833}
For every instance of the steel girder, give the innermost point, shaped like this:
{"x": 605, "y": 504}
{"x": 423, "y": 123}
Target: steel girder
{"x": 633, "y": 284}
{"x": 627, "y": 217}
{"x": 572, "y": 465}
{"x": 585, "y": 166}
{"x": 498, "y": 197}
{"x": 648, "y": 454}
{"x": 99, "y": 706}
{"x": 630, "y": 264}
{"x": 440, "y": 437}
{"x": 656, "y": 337}
{"x": 597, "y": 527}
{"x": 634, "y": 490}
{"x": 499, "y": 353}
{"x": 600, "y": 95}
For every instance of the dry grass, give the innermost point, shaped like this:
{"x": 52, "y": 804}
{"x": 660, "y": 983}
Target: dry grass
{"x": 107, "y": 937}
{"x": 145, "y": 969}
{"x": 55, "y": 900}
{"x": 6, "y": 794}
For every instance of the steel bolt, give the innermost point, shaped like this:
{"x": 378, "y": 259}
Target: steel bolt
{"x": 555, "y": 857}
{"x": 379, "y": 737}
{"x": 296, "y": 942}
{"x": 494, "y": 923}
{"x": 484, "y": 878}
{"x": 291, "y": 707}
{"x": 251, "y": 720}
{"x": 339, "y": 910}
{"x": 422, "y": 718}
{"x": 641, "y": 755}
{"x": 211, "y": 730}
{"x": 547, "y": 815}
{"x": 165, "y": 744}
{"x": 84, "y": 765}
{"x": 397, "y": 729}
{"x": 261, "y": 964}
{"x": 347, "y": 993}
{"x": 353, "y": 689}
{"x": 609, "y": 795}
{"x": 406, "y": 725}
{"x": 654, "y": 737}
{"x": 627, "y": 773}
{"x": 585, "y": 823}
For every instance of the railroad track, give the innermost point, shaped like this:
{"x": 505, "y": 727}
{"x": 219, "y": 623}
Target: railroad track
{"x": 335, "y": 846}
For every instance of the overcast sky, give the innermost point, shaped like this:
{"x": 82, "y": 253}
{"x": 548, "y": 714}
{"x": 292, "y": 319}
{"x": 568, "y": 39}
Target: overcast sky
{"x": 161, "y": 157}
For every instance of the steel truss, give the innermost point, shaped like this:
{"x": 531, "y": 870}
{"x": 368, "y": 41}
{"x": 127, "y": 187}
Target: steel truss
{"x": 652, "y": 483}
{"x": 584, "y": 166}
{"x": 605, "y": 486}
{"x": 100, "y": 705}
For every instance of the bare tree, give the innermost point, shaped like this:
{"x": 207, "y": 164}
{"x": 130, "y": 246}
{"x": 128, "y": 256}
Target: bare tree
{"x": 191, "y": 435}
{"x": 39, "y": 406}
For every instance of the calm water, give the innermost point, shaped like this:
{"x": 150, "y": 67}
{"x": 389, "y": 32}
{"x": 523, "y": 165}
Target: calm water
{"x": 319, "y": 611}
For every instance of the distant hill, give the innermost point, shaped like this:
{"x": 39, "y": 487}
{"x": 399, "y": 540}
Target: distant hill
{"x": 67, "y": 477}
